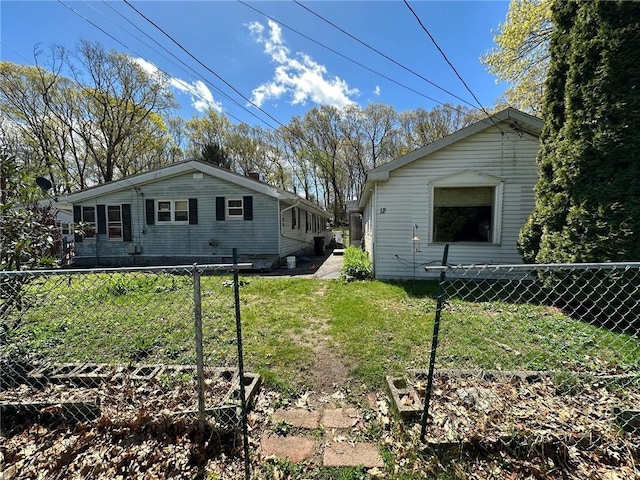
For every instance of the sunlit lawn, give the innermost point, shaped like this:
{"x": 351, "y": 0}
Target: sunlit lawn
{"x": 381, "y": 328}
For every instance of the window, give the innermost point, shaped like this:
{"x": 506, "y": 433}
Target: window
{"x": 64, "y": 228}
{"x": 181, "y": 211}
{"x": 463, "y": 214}
{"x": 114, "y": 222}
{"x": 172, "y": 211}
{"x": 235, "y": 208}
{"x": 89, "y": 220}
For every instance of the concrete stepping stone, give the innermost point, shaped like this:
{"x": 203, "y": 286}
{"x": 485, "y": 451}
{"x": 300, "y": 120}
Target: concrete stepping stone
{"x": 299, "y": 417}
{"x": 347, "y": 455}
{"x": 294, "y": 448}
{"x": 340, "y": 418}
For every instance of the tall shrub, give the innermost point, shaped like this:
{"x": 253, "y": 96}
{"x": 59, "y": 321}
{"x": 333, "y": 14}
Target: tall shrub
{"x": 588, "y": 193}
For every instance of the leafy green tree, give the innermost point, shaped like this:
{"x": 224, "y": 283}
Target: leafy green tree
{"x": 521, "y": 56}
{"x": 96, "y": 125}
{"x": 588, "y": 194}
{"x": 28, "y": 241}
{"x": 211, "y": 129}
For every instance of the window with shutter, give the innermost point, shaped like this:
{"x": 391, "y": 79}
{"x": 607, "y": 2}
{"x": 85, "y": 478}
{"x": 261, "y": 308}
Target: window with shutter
{"x": 172, "y": 212}
{"x": 114, "y": 222}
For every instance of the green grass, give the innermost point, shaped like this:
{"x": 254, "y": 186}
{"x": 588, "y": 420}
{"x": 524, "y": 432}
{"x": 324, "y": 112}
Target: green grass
{"x": 381, "y": 328}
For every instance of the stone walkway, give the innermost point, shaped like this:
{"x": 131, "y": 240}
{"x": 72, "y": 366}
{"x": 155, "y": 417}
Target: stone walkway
{"x": 323, "y": 438}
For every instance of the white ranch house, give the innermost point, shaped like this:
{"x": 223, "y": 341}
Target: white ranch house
{"x": 472, "y": 189}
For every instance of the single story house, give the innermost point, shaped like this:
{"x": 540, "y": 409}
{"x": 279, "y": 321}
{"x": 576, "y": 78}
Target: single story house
{"x": 192, "y": 212}
{"x": 472, "y": 189}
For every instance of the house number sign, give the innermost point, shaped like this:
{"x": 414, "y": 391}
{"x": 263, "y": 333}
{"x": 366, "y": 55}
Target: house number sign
{"x": 383, "y": 210}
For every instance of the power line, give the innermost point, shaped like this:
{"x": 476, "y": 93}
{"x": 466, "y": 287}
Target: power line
{"x": 445, "y": 57}
{"x": 346, "y": 57}
{"x": 454, "y": 69}
{"x": 445, "y": 105}
{"x": 94, "y": 25}
{"x": 169, "y": 60}
{"x": 14, "y": 50}
{"x": 383, "y": 54}
{"x": 204, "y": 66}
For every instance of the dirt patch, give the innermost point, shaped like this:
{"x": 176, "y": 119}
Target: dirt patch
{"x": 330, "y": 370}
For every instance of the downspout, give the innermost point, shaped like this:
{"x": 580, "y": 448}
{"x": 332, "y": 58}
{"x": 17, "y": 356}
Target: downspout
{"x": 95, "y": 206}
{"x": 281, "y": 212}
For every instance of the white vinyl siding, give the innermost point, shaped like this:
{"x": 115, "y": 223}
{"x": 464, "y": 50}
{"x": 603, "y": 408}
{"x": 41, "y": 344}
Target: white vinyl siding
{"x": 406, "y": 200}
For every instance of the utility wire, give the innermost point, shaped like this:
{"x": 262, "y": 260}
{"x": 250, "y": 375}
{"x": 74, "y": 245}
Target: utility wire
{"x": 94, "y": 25}
{"x": 383, "y": 54}
{"x": 445, "y": 57}
{"x": 285, "y": 127}
{"x": 295, "y": 134}
{"x": 445, "y": 105}
{"x": 204, "y": 66}
{"x": 14, "y": 50}
{"x": 348, "y": 58}
{"x": 489, "y": 119}
{"x": 192, "y": 70}
{"x": 169, "y": 60}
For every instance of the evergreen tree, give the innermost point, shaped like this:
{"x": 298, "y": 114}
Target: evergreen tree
{"x": 213, "y": 154}
{"x": 588, "y": 192}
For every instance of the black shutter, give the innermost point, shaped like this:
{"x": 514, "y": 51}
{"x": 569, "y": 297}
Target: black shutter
{"x": 77, "y": 218}
{"x": 150, "y": 210}
{"x": 306, "y": 221}
{"x": 127, "y": 235}
{"x": 102, "y": 219}
{"x": 293, "y": 217}
{"x": 193, "y": 211}
{"x": 220, "y": 207}
{"x": 247, "y": 203}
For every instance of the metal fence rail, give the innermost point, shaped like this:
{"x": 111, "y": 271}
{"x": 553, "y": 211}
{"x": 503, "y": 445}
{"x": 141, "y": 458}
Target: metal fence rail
{"x": 551, "y": 360}
{"x": 149, "y": 351}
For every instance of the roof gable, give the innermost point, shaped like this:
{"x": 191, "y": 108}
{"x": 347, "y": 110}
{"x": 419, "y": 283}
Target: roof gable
{"x": 519, "y": 122}
{"x": 180, "y": 168}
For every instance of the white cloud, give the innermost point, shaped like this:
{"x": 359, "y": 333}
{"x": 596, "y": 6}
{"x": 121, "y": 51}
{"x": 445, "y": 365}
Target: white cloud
{"x": 376, "y": 91}
{"x": 201, "y": 97}
{"x": 297, "y": 76}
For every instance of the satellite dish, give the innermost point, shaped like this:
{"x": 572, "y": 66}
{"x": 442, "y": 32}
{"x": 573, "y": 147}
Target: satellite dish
{"x": 43, "y": 183}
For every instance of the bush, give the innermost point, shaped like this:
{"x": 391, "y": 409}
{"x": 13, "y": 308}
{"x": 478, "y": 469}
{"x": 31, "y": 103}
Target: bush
{"x": 357, "y": 265}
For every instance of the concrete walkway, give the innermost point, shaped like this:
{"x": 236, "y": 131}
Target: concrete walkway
{"x": 326, "y": 267}
{"x": 330, "y": 268}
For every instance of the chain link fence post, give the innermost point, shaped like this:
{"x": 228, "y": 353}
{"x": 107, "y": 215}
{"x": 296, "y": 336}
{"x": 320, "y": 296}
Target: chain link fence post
{"x": 542, "y": 359}
{"x": 197, "y": 316}
{"x": 434, "y": 344}
{"x": 241, "y": 379}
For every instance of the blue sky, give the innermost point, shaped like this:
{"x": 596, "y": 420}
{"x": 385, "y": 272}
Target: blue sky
{"x": 251, "y": 61}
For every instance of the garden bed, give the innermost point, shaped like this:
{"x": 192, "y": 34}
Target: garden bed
{"x": 571, "y": 422}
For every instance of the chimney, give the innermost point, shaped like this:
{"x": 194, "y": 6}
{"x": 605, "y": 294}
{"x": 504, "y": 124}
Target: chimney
{"x": 254, "y": 175}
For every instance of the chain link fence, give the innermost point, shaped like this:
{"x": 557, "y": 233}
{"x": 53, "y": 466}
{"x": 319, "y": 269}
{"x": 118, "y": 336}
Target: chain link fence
{"x": 94, "y": 361}
{"x": 537, "y": 359}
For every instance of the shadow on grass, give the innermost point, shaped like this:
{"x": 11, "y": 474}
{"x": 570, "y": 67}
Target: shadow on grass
{"x": 599, "y": 299}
